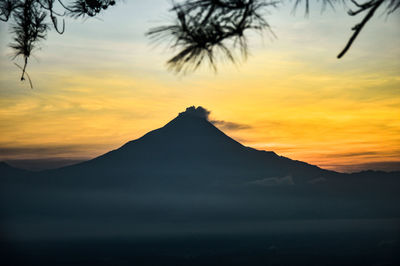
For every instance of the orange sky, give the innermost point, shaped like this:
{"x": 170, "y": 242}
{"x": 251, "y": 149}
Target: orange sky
{"x": 102, "y": 84}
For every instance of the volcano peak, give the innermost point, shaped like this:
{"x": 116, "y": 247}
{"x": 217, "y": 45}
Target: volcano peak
{"x": 193, "y": 111}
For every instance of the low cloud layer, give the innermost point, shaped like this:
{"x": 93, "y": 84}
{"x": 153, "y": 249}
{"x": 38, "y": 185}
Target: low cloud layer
{"x": 273, "y": 181}
{"x": 43, "y": 164}
{"x": 72, "y": 151}
{"x": 317, "y": 180}
{"x": 352, "y": 168}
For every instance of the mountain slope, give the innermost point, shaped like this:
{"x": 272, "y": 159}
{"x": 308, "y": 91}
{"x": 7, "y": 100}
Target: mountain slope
{"x": 189, "y": 149}
{"x": 8, "y": 172}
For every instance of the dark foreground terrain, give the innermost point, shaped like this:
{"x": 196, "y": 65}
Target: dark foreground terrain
{"x": 327, "y": 248}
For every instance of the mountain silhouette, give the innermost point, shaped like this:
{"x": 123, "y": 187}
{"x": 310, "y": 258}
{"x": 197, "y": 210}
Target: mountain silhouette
{"x": 190, "y": 151}
{"x": 7, "y": 170}
{"x": 186, "y": 174}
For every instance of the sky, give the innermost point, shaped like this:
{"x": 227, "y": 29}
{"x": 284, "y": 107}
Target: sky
{"x": 103, "y": 83}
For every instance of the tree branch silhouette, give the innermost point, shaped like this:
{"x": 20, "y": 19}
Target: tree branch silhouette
{"x": 204, "y": 27}
{"x": 203, "y": 30}
{"x": 371, "y": 7}
{"x": 29, "y": 21}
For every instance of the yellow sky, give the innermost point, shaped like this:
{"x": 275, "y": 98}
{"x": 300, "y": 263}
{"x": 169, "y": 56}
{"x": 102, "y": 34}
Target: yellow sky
{"x": 93, "y": 94}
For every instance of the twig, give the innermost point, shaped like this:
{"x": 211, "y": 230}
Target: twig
{"x": 357, "y": 28}
{"x": 23, "y": 73}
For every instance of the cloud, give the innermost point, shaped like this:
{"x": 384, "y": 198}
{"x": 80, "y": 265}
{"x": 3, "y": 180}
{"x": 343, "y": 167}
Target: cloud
{"x": 199, "y": 112}
{"x": 51, "y": 151}
{"x": 229, "y": 125}
{"x": 42, "y": 164}
{"x": 353, "y": 154}
{"x": 273, "y": 181}
{"x": 352, "y": 168}
{"x": 222, "y": 124}
{"x": 317, "y": 180}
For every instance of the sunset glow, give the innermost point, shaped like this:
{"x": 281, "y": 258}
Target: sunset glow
{"x": 102, "y": 84}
